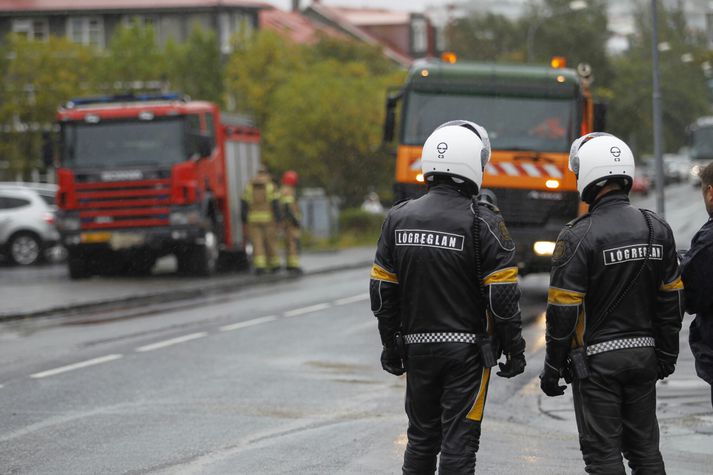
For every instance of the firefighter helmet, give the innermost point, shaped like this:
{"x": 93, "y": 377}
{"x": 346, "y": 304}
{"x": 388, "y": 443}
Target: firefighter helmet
{"x": 290, "y": 178}
{"x": 458, "y": 148}
{"x": 598, "y": 157}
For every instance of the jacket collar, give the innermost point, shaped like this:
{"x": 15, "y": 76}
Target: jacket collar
{"x": 616, "y": 197}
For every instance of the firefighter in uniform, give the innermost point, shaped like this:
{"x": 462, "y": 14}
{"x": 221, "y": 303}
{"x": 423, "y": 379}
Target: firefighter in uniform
{"x": 441, "y": 261}
{"x": 261, "y": 213}
{"x": 292, "y": 216}
{"x": 614, "y": 311}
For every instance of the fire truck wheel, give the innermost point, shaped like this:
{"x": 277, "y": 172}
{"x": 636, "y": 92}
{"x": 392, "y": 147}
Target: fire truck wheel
{"x": 202, "y": 259}
{"x": 78, "y": 268}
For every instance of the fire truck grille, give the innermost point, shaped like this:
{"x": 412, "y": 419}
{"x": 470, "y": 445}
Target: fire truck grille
{"x": 536, "y": 208}
{"x": 118, "y": 205}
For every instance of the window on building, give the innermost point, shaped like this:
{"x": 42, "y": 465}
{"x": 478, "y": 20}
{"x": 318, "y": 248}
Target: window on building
{"x": 419, "y": 36}
{"x": 87, "y": 30}
{"x": 232, "y": 24}
{"x": 31, "y": 28}
{"x": 141, "y": 20}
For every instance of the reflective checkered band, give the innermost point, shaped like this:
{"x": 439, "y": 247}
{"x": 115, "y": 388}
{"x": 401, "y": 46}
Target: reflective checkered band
{"x": 623, "y": 344}
{"x": 439, "y": 338}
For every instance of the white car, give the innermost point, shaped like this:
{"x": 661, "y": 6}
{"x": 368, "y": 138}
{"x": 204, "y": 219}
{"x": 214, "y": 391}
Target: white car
{"x": 27, "y": 216}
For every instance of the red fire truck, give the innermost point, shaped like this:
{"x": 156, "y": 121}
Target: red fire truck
{"x": 143, "y": 176}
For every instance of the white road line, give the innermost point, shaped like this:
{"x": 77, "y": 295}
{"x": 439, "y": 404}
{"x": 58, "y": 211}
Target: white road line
{"x": 248, "y": 323}
{"x": 348, "y": 300}
{"x": 172, "y": 341}
{"x": 83, "y": 364}
{"x": 312, "y": 308}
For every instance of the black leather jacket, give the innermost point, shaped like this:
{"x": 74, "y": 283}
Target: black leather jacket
{"x": 424, "y": 278}
{"x": 595, "y": 258}
{"x": 696, "y": 269}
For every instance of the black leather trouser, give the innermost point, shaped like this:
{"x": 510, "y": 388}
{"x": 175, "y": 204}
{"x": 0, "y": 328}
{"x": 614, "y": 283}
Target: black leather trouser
{"x": 616, "y": 413}
{"x": 445, "y": 397}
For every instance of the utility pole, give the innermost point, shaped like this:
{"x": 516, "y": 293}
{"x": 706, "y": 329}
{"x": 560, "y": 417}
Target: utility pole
{"x": 660, "y": 180}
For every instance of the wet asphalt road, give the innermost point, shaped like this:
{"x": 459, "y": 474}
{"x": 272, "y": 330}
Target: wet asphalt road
{"x": 282, "y": 378}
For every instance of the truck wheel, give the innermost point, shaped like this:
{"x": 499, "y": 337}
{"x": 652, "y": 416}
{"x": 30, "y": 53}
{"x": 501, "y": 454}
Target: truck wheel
{"x": 78, "y": 268}
{"x": 202, "y": 259}
{"x": 25, "y": 249}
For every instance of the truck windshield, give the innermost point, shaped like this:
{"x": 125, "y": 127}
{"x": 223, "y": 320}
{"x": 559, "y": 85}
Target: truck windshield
{"x": 702, "y": 144}
{"x": 115, "y": 143}
{"x": 513, "y": 123}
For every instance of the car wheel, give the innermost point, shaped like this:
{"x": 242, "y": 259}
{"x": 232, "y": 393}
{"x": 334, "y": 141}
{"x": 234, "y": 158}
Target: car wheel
{"x": 25, "y": 249}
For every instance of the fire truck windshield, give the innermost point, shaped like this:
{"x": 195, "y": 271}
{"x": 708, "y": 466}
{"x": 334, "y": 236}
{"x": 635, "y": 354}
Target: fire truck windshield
{"x": 116, "y": 143}
{"x": 513, "y": 123}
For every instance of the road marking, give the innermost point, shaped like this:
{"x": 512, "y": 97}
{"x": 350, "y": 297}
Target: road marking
{"x": 301, "y": 311}
{"x": 83, "y": 364}
{"x": 348, "y": 300}
{"x": 172, "y": 341}
{"x": 248, "y": 323}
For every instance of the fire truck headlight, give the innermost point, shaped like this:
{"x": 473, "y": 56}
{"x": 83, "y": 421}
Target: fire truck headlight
{"x": 552, "y": 184}
{"x": 419, "y": 178}
{"x": 68, "y": 223}
{"x": 184, "y": 217}
{"x": 544, "y": 248}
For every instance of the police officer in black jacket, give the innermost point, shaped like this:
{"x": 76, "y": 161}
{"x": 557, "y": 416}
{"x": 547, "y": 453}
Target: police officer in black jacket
{"x": 696, "y": 272}
{"x": 426, "y": 294}
{"x": 614, "y": 312}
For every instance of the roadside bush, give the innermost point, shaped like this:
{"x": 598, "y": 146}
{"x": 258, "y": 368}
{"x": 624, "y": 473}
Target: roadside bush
{"x": 357, "y": 227}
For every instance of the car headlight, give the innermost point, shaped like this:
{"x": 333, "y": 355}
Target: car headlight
{"x": 184, "y": 217}
{"x": 696, "y": 170}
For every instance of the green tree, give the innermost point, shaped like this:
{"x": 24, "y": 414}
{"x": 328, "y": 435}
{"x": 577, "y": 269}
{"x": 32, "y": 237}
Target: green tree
{"x": 683, "y": 86}
{"x": 260, "y": 64}
{"x": 133, "y": 55}
{"x": 555, "y": 29}
{"x": 487, "y": 37}
{"x": 36, "y": 78}
{"x": 327, "y": 125}
{"x": 195, "y": 67}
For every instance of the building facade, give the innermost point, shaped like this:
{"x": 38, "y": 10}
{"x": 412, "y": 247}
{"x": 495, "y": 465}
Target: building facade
{"x": 93, "y": 22}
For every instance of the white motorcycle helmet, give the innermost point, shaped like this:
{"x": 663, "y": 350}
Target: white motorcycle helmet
{"x": 598, "y": 157}
{"x": 458, "y": 148}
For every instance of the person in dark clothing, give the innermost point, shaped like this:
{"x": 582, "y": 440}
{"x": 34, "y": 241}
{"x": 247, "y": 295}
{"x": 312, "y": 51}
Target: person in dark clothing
{"x": 696, "y": 267}
{"x": 441, "y": 261}
{"x": 614, "y": 312}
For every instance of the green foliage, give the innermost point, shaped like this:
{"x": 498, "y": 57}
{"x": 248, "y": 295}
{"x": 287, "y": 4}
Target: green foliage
{"x": 320, "y": 109}
{"x": 487, "y": 37}
{"x": 132, "y": 55}
{"x": 260, "y": 64}
{"x": 195, "y": 67}
{"x": 36, "y": 78}
{"x": 357, "y": 227}
{"x": 683, "y": 88}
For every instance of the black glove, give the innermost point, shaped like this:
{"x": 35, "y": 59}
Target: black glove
{"x": 550, "y": 381}
{"x": 391, "y": 360}
{"x": 666, "y": 369}
{"x": 514, "y": 365}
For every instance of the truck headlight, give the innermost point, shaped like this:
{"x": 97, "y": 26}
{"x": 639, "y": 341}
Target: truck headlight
{"x": 68, "y": 223}
{"x": 184, "y": 217}
{"x": 544, "y": 248}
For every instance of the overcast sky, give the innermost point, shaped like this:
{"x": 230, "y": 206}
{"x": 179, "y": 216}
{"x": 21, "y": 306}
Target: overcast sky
{"x": 409, "y": 5}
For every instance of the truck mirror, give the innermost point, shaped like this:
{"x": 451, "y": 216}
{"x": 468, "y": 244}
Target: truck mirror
{"x": 204, "y": 145}
{"x": 47, "y": 149}
{"x": 390, "y": 121}
{"x": 600, "y": 117}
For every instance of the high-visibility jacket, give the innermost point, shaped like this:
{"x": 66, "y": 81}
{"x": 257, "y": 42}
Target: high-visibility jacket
{"x": 261, "y": 201}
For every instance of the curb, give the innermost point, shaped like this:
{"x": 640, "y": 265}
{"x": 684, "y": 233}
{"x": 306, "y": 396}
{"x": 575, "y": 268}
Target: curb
{"x": 223, "y": 287}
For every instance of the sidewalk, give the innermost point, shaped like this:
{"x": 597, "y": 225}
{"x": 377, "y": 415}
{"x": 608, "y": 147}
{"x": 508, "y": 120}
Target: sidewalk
{"x": 46, "y": 290}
